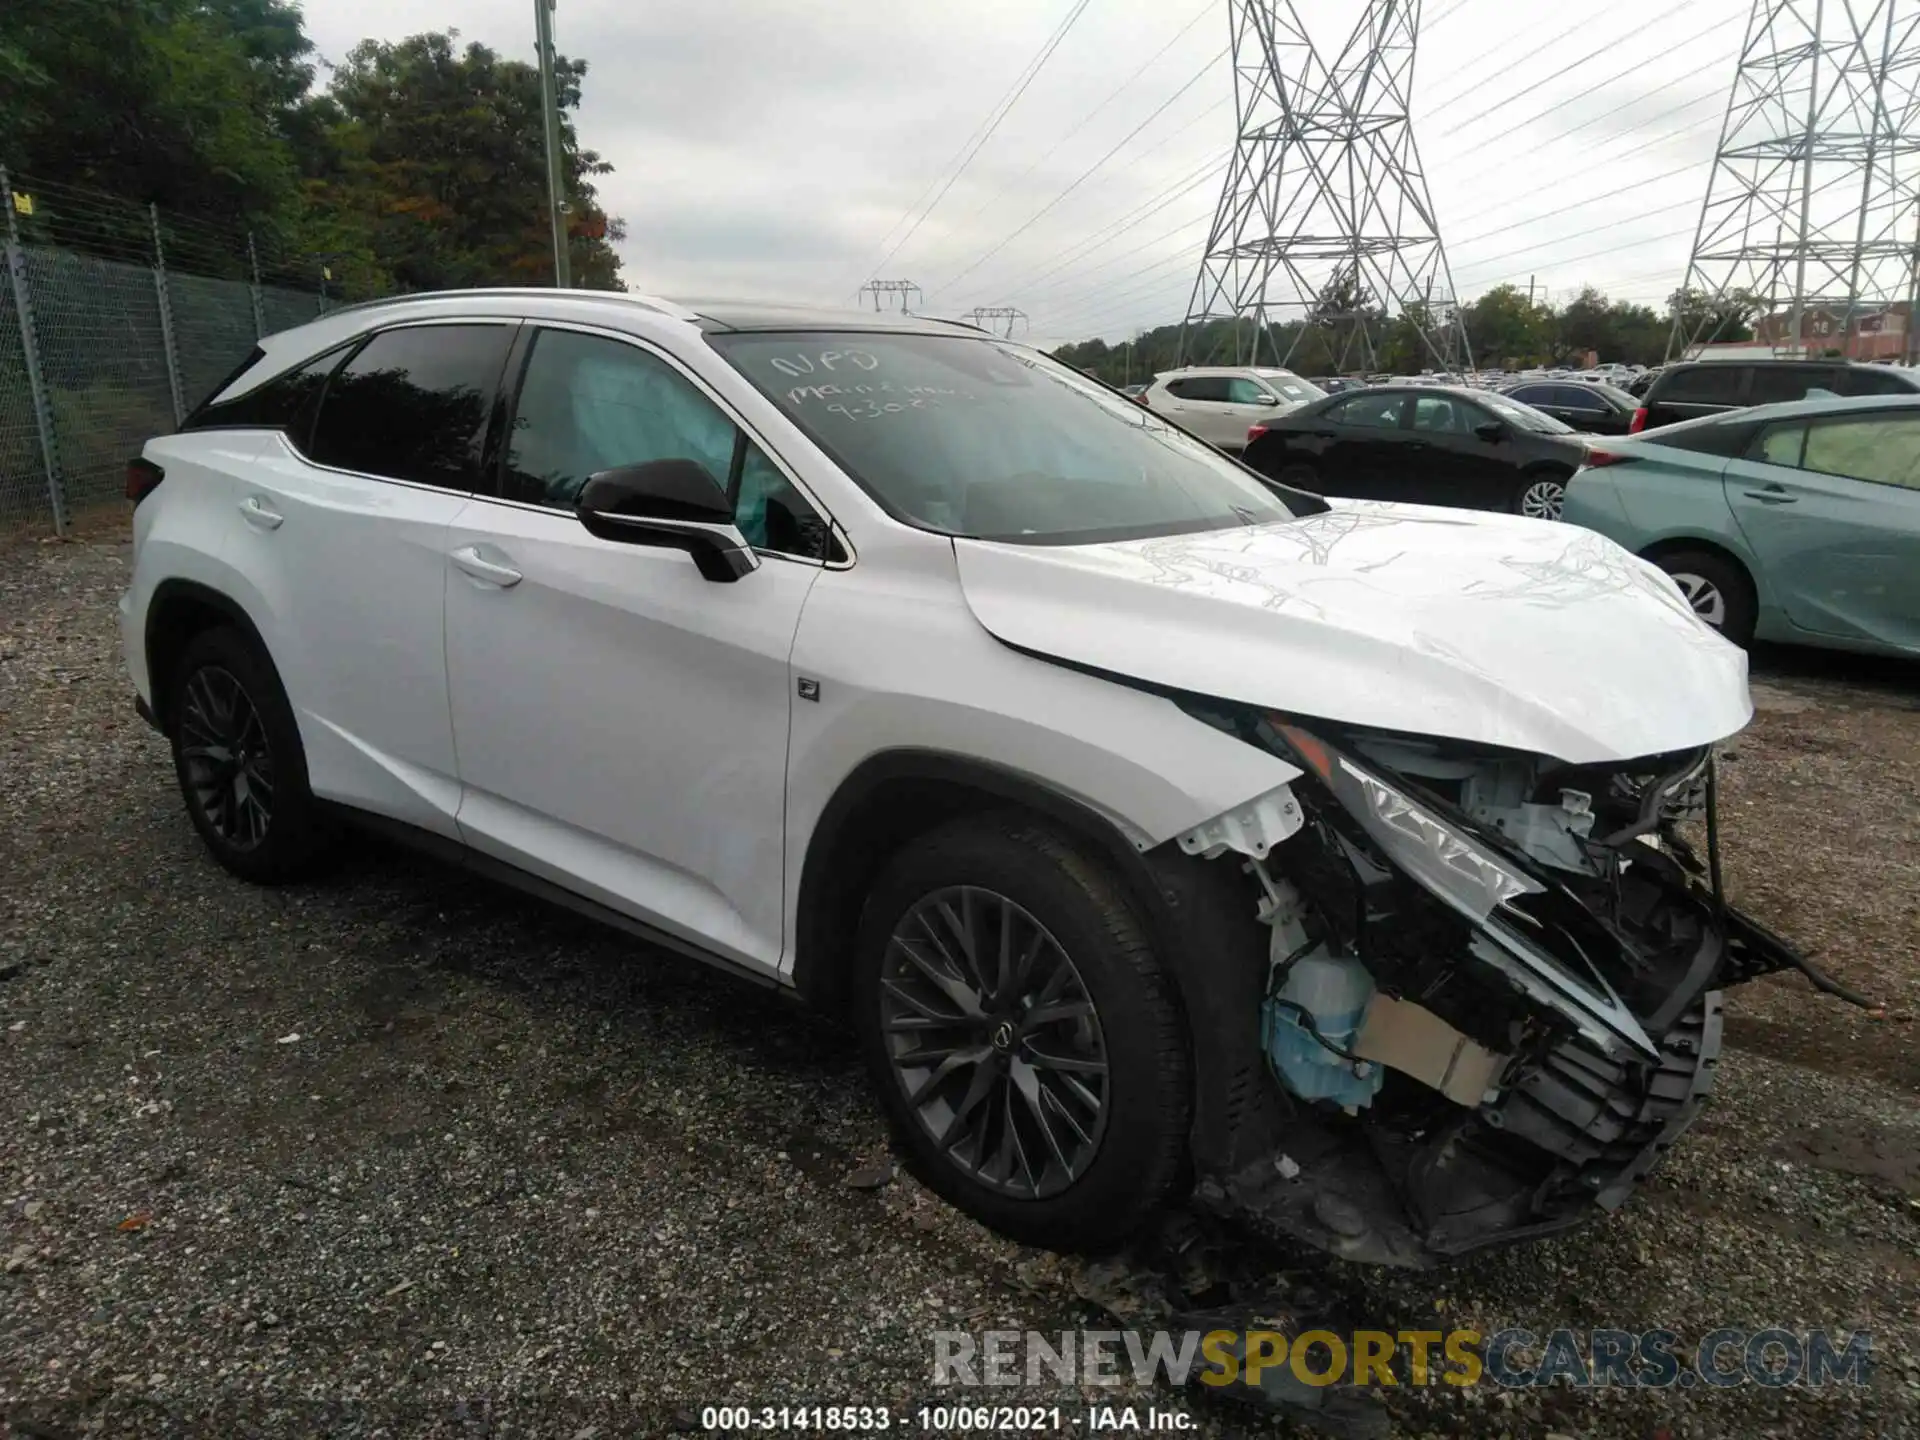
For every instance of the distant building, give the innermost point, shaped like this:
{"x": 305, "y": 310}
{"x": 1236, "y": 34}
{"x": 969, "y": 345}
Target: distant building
{"x": 1877, "y": 332}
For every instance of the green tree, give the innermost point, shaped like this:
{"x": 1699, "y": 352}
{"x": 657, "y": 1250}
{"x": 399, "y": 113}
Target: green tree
{"x": 433, "y": 159}
{"x": 1727, "y": 316}
{"x": 1508, "y": 329}
{"x": 175, "y": 101}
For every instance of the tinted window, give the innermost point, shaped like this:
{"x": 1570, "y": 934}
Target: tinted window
{"x": 968, "y": 435}
{"x": 1369, "y": 410}
{"x": 1245, "y": 392}
{"x": 285, "y": 402}
{"x": 588, "y": 404}
{"x": 1715, "y": 437}
{"x": 1534, "y": 394}
{"x": 1444, "y": 414}
{"x": 1703, "y": 385}
{"x": 1522, "y": 416}
{"x": 1881, "y": 448}
{"x": 1199, "y": 387}
{"x": 1579, "y": 397}
{"x": 1774, "y": 383}
{"x": 1880, "y": 380}
{"x": 412, "y": 404}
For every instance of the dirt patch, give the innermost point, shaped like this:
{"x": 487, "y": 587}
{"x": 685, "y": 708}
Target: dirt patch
{"x": 1881, "y": 1152}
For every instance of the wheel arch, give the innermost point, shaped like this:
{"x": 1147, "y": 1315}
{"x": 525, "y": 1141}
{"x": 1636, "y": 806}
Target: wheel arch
{"x": 1201, "y": 917}
{"x": 891, "y": 798}
{"x": 178, "y": 611}
{"x": 1719, "y": 549}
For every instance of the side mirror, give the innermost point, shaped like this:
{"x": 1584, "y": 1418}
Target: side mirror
{"x": 1265, "y": 400}
{"x": 1490, "y": 431}
{"x": 675, "y": 503}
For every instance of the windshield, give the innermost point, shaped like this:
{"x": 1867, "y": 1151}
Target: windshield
{"x": 979, "y": 437}
{"x": 1524, "y": 416}
{"x": 1290, "y": 386}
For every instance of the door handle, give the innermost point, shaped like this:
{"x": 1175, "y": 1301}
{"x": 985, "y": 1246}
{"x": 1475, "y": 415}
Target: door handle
{"x": 1773, "y": 495}
{"x": 469, "y": 559}
{"x": 257, "y": 513}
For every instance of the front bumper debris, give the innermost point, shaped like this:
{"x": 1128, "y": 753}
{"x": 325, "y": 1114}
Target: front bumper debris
{"x": 1372, "y": 1195}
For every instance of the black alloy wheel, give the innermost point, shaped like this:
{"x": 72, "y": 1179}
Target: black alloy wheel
{"x": 1026, "y": 1044}
{"x": 994, "y": 1041}
{"x": 237, "y": 753}
{"x": 226, "y": 758}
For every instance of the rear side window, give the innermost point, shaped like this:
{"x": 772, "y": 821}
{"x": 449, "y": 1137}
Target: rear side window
{"x": 412, "y": 404}
{"x": 1200, "y": 387}
{"x": 1882, "y": 448}
{"x": 1382, "y": 411}
{"x": 1703, "y": 385}
{"x": 285, "y": 402}
{"x": 1876, "y": 382}
{"x": 1775, "y": 383}
{"x": 1780, "y": 444}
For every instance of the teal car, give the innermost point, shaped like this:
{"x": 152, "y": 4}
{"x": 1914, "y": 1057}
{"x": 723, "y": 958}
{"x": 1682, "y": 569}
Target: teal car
{"x": 1797, "y": 522}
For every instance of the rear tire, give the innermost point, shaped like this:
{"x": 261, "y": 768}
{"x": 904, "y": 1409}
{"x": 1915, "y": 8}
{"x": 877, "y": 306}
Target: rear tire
{"x": 1054, "y": 1099}
{"x": 1541, "y": 495}
{"x": 1718, "y": 589}
{"x": 238, "y": 757}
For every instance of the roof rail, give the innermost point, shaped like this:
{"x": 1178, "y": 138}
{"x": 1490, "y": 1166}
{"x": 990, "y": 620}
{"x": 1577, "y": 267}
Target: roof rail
{"x": 649, "y": 302}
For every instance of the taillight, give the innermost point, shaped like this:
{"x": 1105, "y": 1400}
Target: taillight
{"x": 1254, "y": 432}
{"x": 1596, "y": 459}
{"x": 1639, "y": 421}
{"x": 143, "y": 477}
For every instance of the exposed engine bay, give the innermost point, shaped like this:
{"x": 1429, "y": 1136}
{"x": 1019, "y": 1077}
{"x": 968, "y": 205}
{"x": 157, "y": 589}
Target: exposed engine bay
{"x": 1491, "y": 992}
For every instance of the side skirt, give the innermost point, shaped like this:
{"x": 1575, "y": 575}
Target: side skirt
{"x": 452, "y": 852}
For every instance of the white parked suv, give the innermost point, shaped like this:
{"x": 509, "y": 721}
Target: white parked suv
{"x": 1147, "y": 821}
{"x": 1219, "y": 402}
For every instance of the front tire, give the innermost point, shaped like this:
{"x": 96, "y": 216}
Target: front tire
{"x": 238, "y": 757}
{"x": 1022, "y": 1037}
{"x": 1717, "y": 588}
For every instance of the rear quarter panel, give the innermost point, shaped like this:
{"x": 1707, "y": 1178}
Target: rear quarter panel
{"x": 181, "y": 530}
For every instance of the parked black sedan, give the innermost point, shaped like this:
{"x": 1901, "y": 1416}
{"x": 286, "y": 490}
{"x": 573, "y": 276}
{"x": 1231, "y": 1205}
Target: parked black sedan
{"x": 1587, "y": 405}
{"x": 1427, "y": 444}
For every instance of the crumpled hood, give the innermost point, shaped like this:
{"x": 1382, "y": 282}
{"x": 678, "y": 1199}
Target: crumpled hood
{"x": 1521, "y": 633}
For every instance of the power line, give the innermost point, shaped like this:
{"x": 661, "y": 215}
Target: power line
{"x": 1086, "y": 174}
{"x": 986, "y": 131}
{"x": 1500, "y": 105}
{"x": 1106, "y": 236}
{"x": 1819, "y": 189}
{"x": 1193, "y": 183}
{"x": 1585, "y": 21}
{"x": 1202, "y": 13}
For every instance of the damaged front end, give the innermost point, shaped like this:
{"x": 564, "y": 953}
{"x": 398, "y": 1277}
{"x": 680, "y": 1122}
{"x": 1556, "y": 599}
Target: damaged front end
{"x": 1491, "y": 990}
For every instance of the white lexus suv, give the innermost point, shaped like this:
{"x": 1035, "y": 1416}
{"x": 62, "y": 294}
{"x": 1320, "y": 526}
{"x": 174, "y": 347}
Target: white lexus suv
{"x": 1160, "y": 831}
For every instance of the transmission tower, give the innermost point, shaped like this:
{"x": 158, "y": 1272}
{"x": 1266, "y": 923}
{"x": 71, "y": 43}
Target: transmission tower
{"x": 880, "y": 290}
{"x": 1812, "y": 202}
{"x": 1324, "y": 216}
{"x": 993, "y": 317}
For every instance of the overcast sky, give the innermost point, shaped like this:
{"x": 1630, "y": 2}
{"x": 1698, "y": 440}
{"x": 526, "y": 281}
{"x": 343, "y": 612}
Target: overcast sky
{"x": 770, "y": 148}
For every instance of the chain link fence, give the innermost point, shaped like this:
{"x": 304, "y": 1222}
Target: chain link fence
{"x": 115, "y": 320}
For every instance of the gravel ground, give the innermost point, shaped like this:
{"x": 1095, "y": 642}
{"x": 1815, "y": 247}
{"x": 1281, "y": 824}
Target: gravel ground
{"x": 399, "y": 1153}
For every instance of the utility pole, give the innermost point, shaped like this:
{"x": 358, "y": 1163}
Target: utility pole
{"x": 1816, "y": 174}
{"x": 1325, "y": 194}
{"x": 879, "y": 289}
{"x": 550, "y": 104}
{"x": 987, "y": 317}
